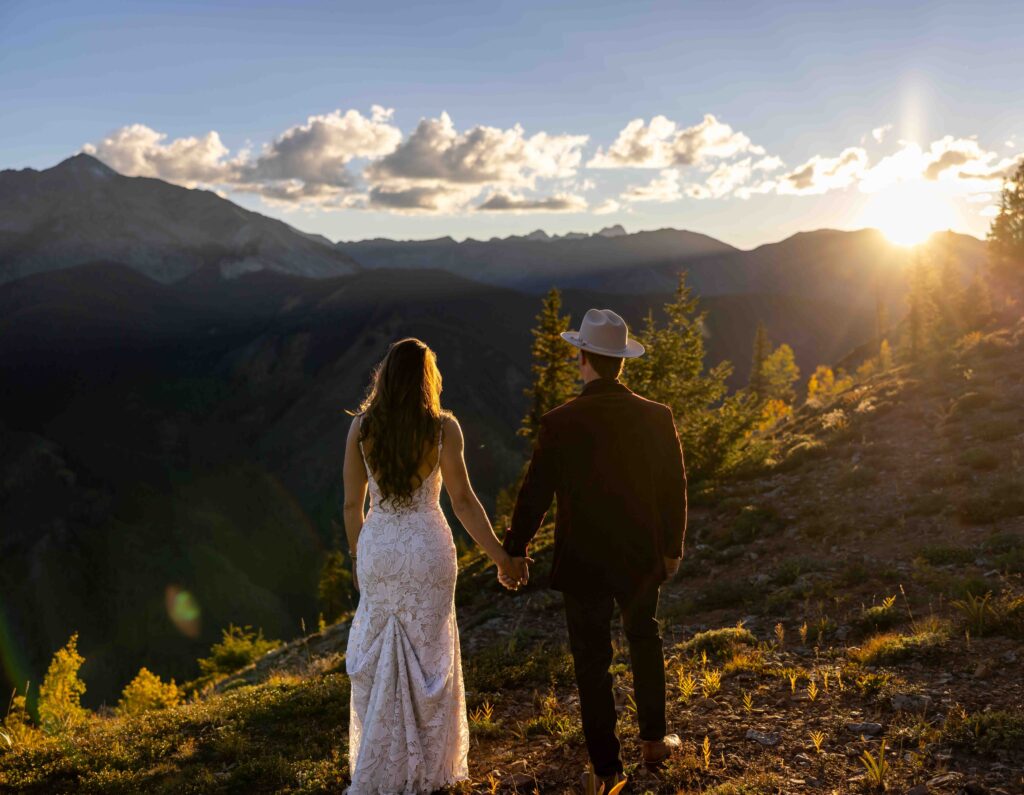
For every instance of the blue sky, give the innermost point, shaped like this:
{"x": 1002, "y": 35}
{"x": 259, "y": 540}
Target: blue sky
{"x": 793, "y": 90}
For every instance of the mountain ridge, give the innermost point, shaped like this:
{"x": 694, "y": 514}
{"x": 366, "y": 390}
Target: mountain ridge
{"x": 80, "y": 210}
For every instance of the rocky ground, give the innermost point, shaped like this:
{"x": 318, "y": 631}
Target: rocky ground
{"x": 849, "y": 620}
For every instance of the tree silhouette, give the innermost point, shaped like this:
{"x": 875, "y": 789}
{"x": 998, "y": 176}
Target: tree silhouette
{"x": 762, "y": 349}
{"x": 555, "y": 374}
{"x": 1006, "y": 235}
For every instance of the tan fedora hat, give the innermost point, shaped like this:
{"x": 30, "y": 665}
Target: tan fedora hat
{"x": 605, "y": 333}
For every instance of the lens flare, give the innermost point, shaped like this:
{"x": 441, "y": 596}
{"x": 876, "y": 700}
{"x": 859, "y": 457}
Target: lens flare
{"x": 183, "y": 610}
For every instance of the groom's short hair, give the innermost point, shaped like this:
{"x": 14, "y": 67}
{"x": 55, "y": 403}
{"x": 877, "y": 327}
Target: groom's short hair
{"x": 605, "y": 366}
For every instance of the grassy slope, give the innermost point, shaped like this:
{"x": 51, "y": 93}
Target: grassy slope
{"x": 910, "y": 486}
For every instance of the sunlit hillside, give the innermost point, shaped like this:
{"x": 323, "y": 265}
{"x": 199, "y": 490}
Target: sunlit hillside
{"x": 851, "y": 612}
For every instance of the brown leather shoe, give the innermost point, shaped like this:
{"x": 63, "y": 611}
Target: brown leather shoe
{"x": 657, "y": 751}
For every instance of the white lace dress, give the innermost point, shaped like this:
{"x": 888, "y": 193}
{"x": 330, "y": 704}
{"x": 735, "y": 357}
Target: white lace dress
{"x": 407, "y": 729}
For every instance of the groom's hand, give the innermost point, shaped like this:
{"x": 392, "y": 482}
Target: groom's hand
{"x": 672, "y": 566}
{"x": 515, "y": 574}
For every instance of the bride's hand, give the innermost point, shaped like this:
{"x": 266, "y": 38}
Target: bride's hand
{"x": 514, "y": 573}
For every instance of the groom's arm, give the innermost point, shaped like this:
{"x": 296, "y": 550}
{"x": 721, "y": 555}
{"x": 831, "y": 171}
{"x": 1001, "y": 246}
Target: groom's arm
{"x": 535, "y": 495}
{"x": 673, "y": 490}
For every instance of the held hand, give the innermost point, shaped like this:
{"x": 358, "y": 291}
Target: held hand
{"x": 672, "y": 566}
{"x": 513, "y": 573}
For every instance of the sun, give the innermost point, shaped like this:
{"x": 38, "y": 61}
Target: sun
{"x": 908, "y": 213}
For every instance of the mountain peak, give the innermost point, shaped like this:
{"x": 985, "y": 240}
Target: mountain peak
{"x": 85, "y": 164}
{"x": 613, "y": 231}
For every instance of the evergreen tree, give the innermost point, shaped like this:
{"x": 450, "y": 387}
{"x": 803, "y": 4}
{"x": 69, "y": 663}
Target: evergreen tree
{"x": 714, "y": 427}
{"x": 334, "y": 588}
{"x": 762, "y": 349}
{"x": 1006, "y": 235}
{"x": 976, "y": 303}
{"x": 780, "y": 373}
{"x": 555, "y": 373}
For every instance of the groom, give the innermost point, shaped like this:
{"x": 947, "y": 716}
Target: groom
{"x": 614, "y": 462}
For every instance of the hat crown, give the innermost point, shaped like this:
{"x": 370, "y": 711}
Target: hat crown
{"x": 603, "y": 328}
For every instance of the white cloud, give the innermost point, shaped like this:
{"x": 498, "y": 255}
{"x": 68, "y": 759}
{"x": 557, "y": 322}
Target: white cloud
{"x": 769, "y": 163}
{"x": 661, "y": 144}
{"x": 436, "y": 152}
{"x": 663, "y": 188}
{"x": 879, "y": 133}
{"x": 140, "y": 151}
{"x": 318, "y": 151}
{"x": 822, "y": 174}
{"x": 990, "y": 212}
{"x": 607, "y": 207}
{"x": 559, "y": 203}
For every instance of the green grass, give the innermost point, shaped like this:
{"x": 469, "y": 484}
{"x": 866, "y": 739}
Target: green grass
{"x": 286, "y": 736}
{"x": 719, "y": 642}
{"x": 518, "y": 662}
{"x": 892, "y": 647}
{"x": 986, "y": 732}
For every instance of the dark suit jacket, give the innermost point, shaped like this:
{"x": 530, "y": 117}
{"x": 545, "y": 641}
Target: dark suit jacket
{"x": 614, "y": 461}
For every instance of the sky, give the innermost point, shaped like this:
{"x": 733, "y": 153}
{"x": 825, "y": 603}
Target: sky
{"x": 745, "y": 121}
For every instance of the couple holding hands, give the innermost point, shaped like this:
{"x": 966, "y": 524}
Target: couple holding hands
{"x": 612, "y": 462}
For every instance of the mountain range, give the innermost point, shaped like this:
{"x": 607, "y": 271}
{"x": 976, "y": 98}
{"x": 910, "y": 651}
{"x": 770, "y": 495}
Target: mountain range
{"x": 177, "y": 371}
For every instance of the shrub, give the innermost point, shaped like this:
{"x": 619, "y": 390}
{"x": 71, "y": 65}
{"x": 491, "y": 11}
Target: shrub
{"x": 239, "y": 647}
{"x": 941, "y": 556}
{"x": 880, "y": 617}
{"x": 980, "y": 458}
{"x": 967, "y": 403}
{"x": 996, "y": 430}
{"x": 16, "y": 730}
{"x": 719, "y": 642}
{"x": 998, "y": 730}
{"x": 890, "y": 647}
{"x": 334, "y": 588}
{"x": 60, "y": 695}
{"x": 754, "y": 521}
{"x": 147, "y": 692}
{"x": 507, "y": 664}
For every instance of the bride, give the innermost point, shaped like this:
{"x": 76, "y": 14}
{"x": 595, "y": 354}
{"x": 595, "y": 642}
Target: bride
{"x": 408, "y": 731}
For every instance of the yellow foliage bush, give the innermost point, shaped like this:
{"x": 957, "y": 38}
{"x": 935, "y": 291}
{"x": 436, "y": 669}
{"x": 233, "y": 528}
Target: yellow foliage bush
{"x": 60, "y": 695}
{"x": 146, "y": 692}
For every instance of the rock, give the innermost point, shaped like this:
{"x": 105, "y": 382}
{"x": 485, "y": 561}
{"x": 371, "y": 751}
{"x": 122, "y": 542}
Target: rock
{"x": 945, "y": 778}
{"x": 911, "y": 702}
{"x": 920, "y": 789}
{"x": 1010, "y": 656}
{"x": 521, "y": 780}
{"x": 843, "y": 632}
{"x": 870, "y": 729}
{"x": 769, "y": 739}
{"x": 972, "y": 788}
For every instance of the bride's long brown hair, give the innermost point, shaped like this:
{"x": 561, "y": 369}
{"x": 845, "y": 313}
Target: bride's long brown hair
{"x": 401, "y": 417}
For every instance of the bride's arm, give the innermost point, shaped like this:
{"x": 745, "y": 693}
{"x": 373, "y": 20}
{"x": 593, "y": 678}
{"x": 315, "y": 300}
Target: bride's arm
{"x": 355, "y": 489}
{"x": 464, "y": 500}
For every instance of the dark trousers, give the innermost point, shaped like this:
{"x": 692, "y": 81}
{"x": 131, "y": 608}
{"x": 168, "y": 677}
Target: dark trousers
{"x": 589, "y": 620}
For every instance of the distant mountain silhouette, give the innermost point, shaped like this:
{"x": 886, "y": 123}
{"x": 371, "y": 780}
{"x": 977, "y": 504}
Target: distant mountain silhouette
{"x": 826, "y": 264}
{"x": 81, "y": 211}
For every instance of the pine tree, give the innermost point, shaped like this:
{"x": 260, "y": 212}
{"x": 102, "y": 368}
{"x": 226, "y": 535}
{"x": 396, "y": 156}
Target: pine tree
{"x": 714, "y": 427}
{"x": 1006, "y": 235}
{"x": 921, "y": 315}
{"x": 780, "y": 373}
{"x": 555, "y": 373}
{"x": 762, "y": 348}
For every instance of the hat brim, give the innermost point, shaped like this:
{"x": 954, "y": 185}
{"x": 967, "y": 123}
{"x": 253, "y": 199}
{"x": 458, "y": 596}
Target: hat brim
{"x": 632, "y": 350}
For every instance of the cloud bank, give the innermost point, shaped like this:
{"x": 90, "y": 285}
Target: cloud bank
{"x": 347, "y": 159}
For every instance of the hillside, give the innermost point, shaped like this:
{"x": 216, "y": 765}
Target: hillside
{"x": 80, "y": 211}
{"x": 840, "y": 596}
